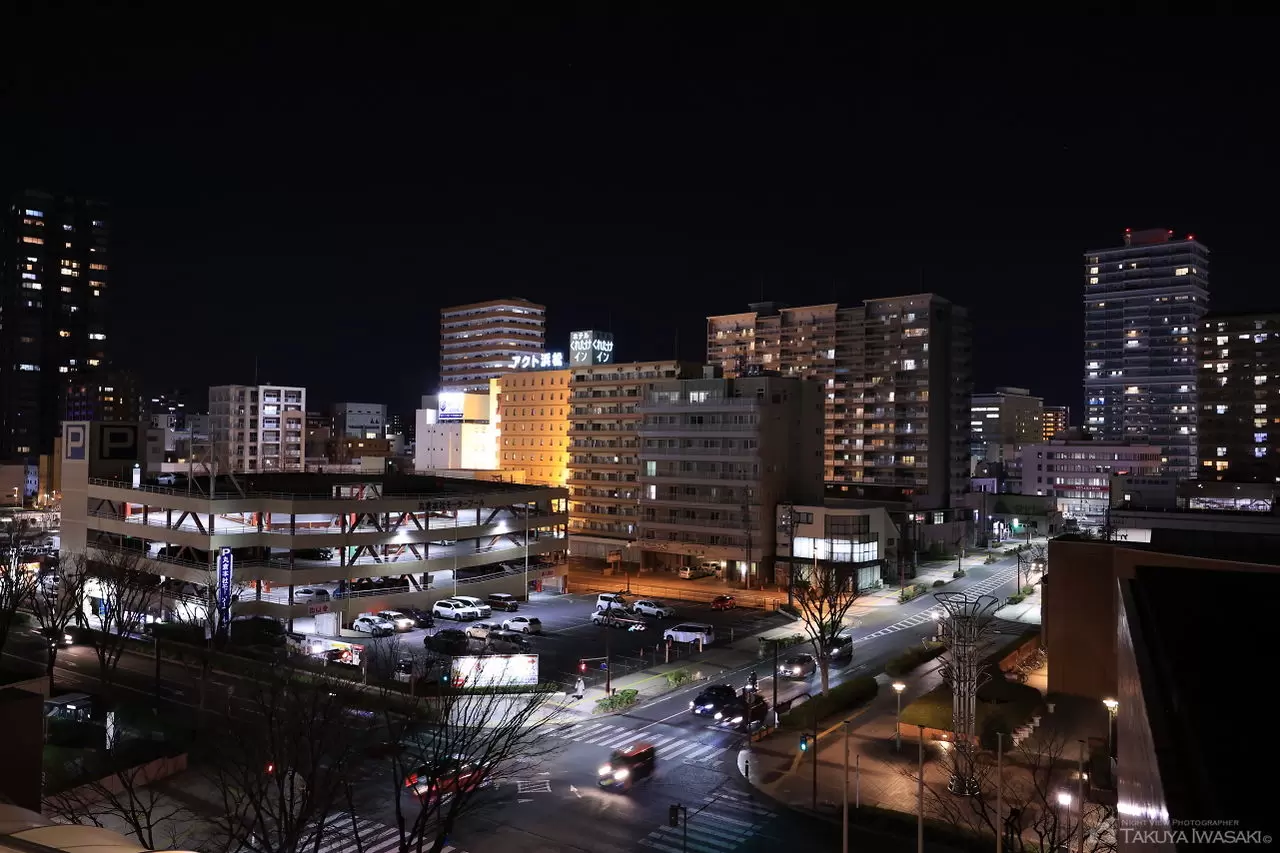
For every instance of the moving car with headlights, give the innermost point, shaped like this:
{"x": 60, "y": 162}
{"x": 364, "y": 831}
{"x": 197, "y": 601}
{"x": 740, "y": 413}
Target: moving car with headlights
{"x": 523, "y": 624}
{"x": 797, "y": 666}
{"x": 652, "y": 607}
{"x": 724, "y": 602}
{"x": 628, "y": 766}
{"x": 839, "y": 647}
{"x": 445, "y": 776}
{"x": 402, "y": 621}
{"x": 711, "y": 700}
{"x": 615, "y": 619}
{"x": 485, "y": 610}
{"x": 455, "y": 610}
{"x": 421, "y": 618}
{"x": 481, "y": 630}
{"x": 373, "y": 626}
{"x": 503, "y": 601}
{"x": 744, "y": 713}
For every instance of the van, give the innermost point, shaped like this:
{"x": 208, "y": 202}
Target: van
{"x": 690, "y": 573}
{"x": 610, "y": 601}
{"x": 691, "y": 632}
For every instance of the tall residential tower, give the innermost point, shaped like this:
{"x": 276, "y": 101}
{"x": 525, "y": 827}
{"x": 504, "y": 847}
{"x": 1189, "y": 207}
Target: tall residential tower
{"x": 1143, "y": 303}
{"x": 54, "y": 276}
{"x": 479, "y": 342}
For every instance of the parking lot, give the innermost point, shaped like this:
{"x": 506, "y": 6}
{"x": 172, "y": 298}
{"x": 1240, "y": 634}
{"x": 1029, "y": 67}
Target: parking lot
{"x": 568, "y": 634}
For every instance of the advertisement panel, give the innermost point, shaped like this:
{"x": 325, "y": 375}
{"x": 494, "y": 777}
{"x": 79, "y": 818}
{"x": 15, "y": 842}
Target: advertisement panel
{"x": 450, "y": 406}
{"x": 538, "y": 361}
{"x": 495, "y": 671}
{"x": 226, "y": 565}
{"x": 591, "y": 347}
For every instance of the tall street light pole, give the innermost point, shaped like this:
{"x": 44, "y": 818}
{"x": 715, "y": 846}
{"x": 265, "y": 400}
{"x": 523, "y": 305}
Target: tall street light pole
{"x": 898, "y": 687}
{"x": 1112, "y": 707}
{"x": 789, "y": 527}
{"x": 526, "y": 551}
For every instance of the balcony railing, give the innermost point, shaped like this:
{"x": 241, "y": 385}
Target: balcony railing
{"x": 647, "y": 428}
{"x": 700, "y": 451}
{"x": 700, "y": 475}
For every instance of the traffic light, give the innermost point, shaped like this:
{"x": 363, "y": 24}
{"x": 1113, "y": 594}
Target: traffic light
{"x": 804, "y": 743}
{"x": 582, "y": 666}
{"x": 271, "y": 768}
{"x": 673, "y": 815}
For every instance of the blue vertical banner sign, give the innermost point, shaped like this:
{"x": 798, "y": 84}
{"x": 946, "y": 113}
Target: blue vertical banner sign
{"x": 226, "y": 562}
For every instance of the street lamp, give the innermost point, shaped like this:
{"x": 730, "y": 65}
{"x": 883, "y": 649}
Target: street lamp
{"x": 1112, "y": 707}
{"x": 898, "y": 687}
{"x": 1064, "y": 801}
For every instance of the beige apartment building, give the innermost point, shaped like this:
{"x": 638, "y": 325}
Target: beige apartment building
{"x": 533, "y": 424}
{"x": 896, "y": 376}
{"x": 604, "y": 453}
{"x": 717, "y": 457}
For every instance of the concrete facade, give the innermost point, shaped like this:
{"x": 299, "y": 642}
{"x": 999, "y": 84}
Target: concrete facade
{"x": 257, "y": 427}
{"x": 479, "y": 340}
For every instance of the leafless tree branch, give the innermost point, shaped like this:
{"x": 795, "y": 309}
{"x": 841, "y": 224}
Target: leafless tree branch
{"x": 823, "y": 593}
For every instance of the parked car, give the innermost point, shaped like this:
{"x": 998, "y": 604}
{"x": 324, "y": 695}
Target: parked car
{"x": 309, "y": 594}
{"x": 692, "y": 573}
{"x": 523, "y": 624}
{"x": 507, "y": 642}
{"x": 481, "y": 630}
{"x": 723, "y": 602}
{"x": 483, "y": 609}
{"x": 711, "y": 700}
{"x": 421, "y": 618}
{"x": 447, "y": 641}
{"x": 373, "y": 626}
{"x": 322, "y": 554}
{"x": 611, "y": 601}
{"x": 445, "y": 542}
{"x": 455, "y": 610}
{"x": 402, "y": 621}
{"x": 503, "y": 601}
{"x": 653, "y": 607}
{"x": 691, "y": 632}
{"x": 797, "y": 666}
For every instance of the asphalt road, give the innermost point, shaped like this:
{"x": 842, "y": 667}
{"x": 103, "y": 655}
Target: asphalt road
{"x": 557, "y": 804}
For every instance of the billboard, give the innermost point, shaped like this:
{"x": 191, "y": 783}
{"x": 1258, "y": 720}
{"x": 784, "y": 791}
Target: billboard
{"x": 591, "y": 347}
{"x": 118, "y": 442}
{"x": 538, "y": 361}
{"x": 450, "y": 406}
{"x": 495, "y": 671}
{"x": 75, "y": 439}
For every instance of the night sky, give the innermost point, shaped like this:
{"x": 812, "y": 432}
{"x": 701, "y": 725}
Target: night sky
{"x": 311, "y": 199}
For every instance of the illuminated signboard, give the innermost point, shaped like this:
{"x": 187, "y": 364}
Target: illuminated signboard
{"x": 591, "y": 347}
{"x": 495, "y": 671}
{"x": 537, "y": 361}
{"x": 450, "y": 407}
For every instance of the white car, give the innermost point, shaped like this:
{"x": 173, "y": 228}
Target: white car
{"x": 305, "y": 594}
{"x": 373, "y": 626}
{"x": 482, "y": 608}
{"x": 400, "y": 620}
{"x": 691, "y": 632}
{"x": 653, "y": 607}
{"x": 454, "y": 610}
{"x": 481, "y": 630}
{"x": 523, "y": 624}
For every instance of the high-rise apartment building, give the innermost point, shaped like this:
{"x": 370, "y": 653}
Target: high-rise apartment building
{"x": 897, "y": 375}
{"x": 1055, "y": 420}
{"x": 533, "y": 425}
{"x": 1143, "y": 303}
{"x": 604, "y": 452}
{"x": 258, "y": 428}
{"x": 717, "y": 457}
{"x": 1009, "y": 416}
{"x": 55, "y": 276}
{"x": 359, "y": 420}
{"x": 1239, "y": 436}
{"x": 104, "y": 395}
{"x": 484, "y": 340}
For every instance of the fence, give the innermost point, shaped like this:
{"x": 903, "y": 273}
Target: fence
{"x": 639, "y": 588}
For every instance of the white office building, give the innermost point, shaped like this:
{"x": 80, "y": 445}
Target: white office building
{"x": 456, "y": 431}
{"x": 257, "y": 427}
{"x": 1078, "y": 473}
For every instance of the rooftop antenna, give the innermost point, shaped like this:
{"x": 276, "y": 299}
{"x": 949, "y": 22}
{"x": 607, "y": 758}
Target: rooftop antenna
{"x": 676, "y": 352}
{"x": 762, "y": 288}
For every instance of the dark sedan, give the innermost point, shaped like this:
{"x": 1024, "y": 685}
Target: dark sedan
{"x": 797, "y": 666}
{"x": 421, "y": 618}
{"x": 711, "y": 700}
{"x": 447, "y": 641}
{"x": 743, "y": 715}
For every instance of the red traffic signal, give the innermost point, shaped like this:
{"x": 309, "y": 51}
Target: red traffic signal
{"x": 271, "y": 768}
{"x": 582, "y": 666}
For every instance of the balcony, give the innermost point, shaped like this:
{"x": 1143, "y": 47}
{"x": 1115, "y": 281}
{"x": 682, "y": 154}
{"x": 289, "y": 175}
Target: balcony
{"x": 681, "y": 429}
{"x": 701, "y": 500}
{"x": 686, "y": 523}
{"x": 739, "y": 476}
{"x": 711, "y": 404}
{"x": 745, "y": 452}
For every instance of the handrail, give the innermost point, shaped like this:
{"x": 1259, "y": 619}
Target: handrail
{"x": 461, "y": 501}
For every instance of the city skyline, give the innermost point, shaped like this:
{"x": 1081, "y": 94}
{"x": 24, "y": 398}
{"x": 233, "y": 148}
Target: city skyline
{"x": 641, "y": 207}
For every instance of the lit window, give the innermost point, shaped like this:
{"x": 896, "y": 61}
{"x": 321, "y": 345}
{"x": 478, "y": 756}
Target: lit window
{"x": 1221, "y": 466}
{"x": 1132, "y": 389}
{"x": 66, "y": 227}
{"x": 1182, "y": 271}
{"x": 1093, "y": 270}
{"x": 35, "y": 240}
{"x": 1259, "y": 452}
{"x": 98, "y": 223}
{"x": 1259, "y": 437}
{"x": 32, "y": 285}
{"x": 30, "y": 368}
{"x": 1093, "y": 279}
{"x": 97, "y": 266}
{"x": 33, "y": 212}
{"x": 1220, "y": 409}
{"x": 908, "y": 364}
{"x": 1260, "y": 380}
{"x": 1259, "y": 408}
{"x": 1258, "y": 423}
{"x": 1223, "y": 367}
{"x": 1222, "y": 339}
{"x": 1222, "y": 451}
{"x": 97, "y": 336}
{"x": 63, "y": 333}
{"x": 92, "y": 362}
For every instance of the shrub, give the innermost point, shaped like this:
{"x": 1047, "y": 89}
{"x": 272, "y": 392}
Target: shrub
{"x": 766, "y": 643}
{"x": 618, "y": 701}
{"x": 1027, "y": 590}
{"x": 913, "y": 657}
{"x": 958, "y": 573}
{"x": 677, "y": 677}
{"x": 1016, "y": 598}
{"x": 991, "y": 558}
{"x": 939, "y": 582}
{"x": 843, "y": 697}
{"x": 915, "y": 590}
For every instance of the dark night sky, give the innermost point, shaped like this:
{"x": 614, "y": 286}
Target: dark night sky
{"x": 313, "y": 198}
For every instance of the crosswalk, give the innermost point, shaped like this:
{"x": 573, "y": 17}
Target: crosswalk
{"x": 983, "y": 587}
{"x": 340, "y": 836}
{"x": 670, "y": 748}
{"x": 718, "y": 824}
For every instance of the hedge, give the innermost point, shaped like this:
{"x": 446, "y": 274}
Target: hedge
{"x": 839, "y": 699}
{"x": 618, "y": 701}
{"x": 913, "y": 657}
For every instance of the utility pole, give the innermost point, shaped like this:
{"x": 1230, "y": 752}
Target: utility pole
{"x": 815, "y": 755}
{"x": 746, "y": 526}
{"x": 789, "y": 528}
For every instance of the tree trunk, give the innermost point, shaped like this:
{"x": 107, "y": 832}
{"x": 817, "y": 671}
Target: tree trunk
{"x": 51, "y": 661}
{"x": 824, "y": 667}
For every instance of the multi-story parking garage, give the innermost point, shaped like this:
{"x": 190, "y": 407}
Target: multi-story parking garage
{"x": 368, "y": 542}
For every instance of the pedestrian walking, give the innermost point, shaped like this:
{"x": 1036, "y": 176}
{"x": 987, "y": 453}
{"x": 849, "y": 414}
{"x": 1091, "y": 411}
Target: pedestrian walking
{"x": 579, "y": 688}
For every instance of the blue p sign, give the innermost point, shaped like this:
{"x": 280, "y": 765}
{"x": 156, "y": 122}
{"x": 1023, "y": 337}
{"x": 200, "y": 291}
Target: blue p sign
{"x": 73, "y": 441}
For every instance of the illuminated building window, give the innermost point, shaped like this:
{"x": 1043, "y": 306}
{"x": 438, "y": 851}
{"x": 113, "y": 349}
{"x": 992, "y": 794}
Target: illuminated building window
{"x": 1221, "y": 466}
{"x": 63, "y": 333}
{"x": 33, "y": 213}
{"x": 1182, "y": 271}
{"x": 1259, "y": 408}
{"x": 1222, "y": 451}
{"x": 1220, "y": 409}
{"x": 1259, "y": 452}
{"x": 35, "y": 240}
{"x": 97, "y": 266}
{"x": 1223, "y": 367}
{"x": 1259, "y": 437}
{"x": 1260, "y": 380}
{"x": 1093, "y": 279}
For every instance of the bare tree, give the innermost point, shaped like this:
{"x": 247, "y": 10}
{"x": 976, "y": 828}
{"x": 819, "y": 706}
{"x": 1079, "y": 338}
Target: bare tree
{"x": 125, "y": 594}
{"x": 17, "y": 585}
{"x": 447, "y": 751}
{"x": 56, "y": 606}
{"x": 823, "y": 594}
{"x": 280, "y": 761}
{"x": 1042, "y": 808}
{"x": 126, "y": 798}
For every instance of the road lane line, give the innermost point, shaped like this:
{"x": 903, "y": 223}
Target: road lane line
{"x": 663, "y": 720}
